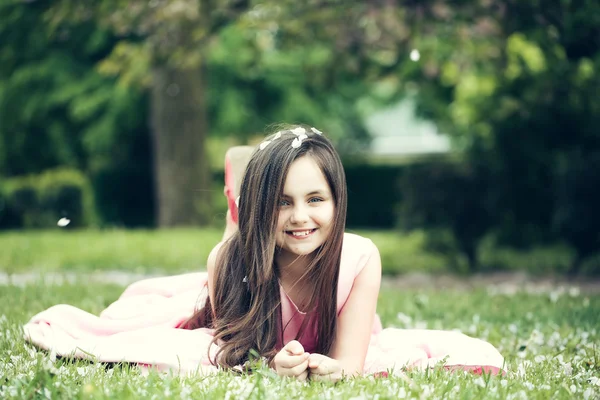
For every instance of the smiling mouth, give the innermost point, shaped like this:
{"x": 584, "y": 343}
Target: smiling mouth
{"x": 300, "y": 234}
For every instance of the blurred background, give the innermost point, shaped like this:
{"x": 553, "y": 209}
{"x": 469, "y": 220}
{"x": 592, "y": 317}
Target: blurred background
{"x": 469, "y": 129}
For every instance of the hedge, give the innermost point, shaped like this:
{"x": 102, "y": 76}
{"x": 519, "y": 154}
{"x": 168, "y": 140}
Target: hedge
{"x": 40, "y": 201}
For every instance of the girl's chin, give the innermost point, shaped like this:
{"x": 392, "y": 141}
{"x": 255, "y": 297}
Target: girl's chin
{"x": 298, "y": 251}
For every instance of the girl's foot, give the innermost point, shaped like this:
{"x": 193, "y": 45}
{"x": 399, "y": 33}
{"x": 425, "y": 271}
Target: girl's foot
{"x": 236, "y": 159}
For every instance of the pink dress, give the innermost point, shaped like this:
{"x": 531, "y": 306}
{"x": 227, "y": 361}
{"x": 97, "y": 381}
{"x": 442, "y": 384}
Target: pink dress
{"x": 142, "y": 327}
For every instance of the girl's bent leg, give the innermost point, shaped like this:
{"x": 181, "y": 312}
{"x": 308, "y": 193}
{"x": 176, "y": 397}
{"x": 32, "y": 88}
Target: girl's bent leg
{"x": 236, "y": 160}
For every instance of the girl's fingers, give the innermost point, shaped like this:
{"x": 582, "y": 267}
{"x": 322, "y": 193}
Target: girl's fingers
{"x": 294, "y": 348}
{"x": 323, "y": 365}
{"x": 315, "y": 360}
{"x": 303, "y": 376}
{"x": 329, "y": 377}
{"x": 299, "y": 369}
{"x": 288, "y": 362}
{"x": 322, "y": 369}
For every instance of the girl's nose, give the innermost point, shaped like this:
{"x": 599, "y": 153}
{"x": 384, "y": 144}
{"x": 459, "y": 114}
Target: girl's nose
{"x": 299, "y": 214}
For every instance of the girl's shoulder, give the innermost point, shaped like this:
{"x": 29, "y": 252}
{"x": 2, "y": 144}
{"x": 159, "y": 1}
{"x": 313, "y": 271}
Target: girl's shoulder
{"x": 356, "y": 251}
{"x": 352, "y": 239}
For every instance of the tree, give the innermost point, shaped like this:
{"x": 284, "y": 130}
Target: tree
{"x": 164, "y": 46}
{"x": 58, "y": 110}
{"x": 519, "y": 95}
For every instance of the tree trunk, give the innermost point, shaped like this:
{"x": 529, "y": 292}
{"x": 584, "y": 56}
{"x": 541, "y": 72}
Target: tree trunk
{"x": 179, "y": 128}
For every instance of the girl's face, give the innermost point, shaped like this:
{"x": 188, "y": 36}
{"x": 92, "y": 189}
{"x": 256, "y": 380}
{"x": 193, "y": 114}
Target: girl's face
{"x": 306, "y": 210}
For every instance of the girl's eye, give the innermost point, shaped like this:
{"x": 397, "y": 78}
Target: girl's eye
{"x": 315, "y": 200}
{"x": 284, "y": 203}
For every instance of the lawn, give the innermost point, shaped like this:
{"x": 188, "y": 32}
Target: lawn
{"x": 549, "y": 339}
{"x": 165, "y": 251}
{"x": 549, "y": 335}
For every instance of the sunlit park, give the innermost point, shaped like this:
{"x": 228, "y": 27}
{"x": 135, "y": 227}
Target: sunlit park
{"x": 470, "y": 143}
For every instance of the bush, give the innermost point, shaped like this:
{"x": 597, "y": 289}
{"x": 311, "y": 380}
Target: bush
{"x": 39, "y": 201}
{"x": 450, "y": 197}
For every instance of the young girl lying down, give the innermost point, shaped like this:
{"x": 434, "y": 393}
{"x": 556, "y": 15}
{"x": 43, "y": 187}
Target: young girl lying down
{"x": 286, "y": 283}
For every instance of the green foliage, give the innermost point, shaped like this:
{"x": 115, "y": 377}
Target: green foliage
{"x": 256, "y": 81}
{"x": 518, "y": 93}
{"x": 58, "y": 110}
{"x": 39, "y": 201}
{"x": 451, "y": 197}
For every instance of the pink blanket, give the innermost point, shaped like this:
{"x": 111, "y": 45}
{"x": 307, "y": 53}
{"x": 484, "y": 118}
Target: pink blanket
{"x": 141, "y": 327}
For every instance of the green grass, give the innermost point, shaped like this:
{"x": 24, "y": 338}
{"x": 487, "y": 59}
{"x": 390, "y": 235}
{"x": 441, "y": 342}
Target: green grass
{"x": 181, "y": 250}
{"x": 165, "y": 251}
{"x": 551, "y": 342}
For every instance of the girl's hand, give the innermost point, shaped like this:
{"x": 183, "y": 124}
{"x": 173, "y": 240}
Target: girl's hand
{"x": 292, "y": 361}
{"x": 323, "y": 368}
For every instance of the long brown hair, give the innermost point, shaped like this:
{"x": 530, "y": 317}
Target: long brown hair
{"x": 247, "y": 302}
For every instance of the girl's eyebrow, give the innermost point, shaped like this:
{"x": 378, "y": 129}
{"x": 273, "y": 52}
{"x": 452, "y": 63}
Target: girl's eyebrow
{"x": 312, "y": 193}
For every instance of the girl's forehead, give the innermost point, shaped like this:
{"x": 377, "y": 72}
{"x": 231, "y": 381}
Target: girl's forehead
{"x": 305, "y": 176}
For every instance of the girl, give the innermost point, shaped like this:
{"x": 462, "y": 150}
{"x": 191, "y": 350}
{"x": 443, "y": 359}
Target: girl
{"x": 287, "y": 283}
{"x": 277, "y": 277}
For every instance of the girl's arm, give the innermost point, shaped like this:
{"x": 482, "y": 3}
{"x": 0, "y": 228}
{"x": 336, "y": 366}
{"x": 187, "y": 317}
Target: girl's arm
{"x": 355, "y": 324}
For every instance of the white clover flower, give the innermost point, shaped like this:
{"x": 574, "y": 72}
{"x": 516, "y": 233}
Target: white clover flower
{"x": 479, "y": 382}
{"x": 405, "y": 319}
{"x": 586, "y": 302}
{"x": 588, "y": 394}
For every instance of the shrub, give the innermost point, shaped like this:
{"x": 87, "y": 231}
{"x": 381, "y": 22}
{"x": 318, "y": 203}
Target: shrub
{"x": 39, "y": 201}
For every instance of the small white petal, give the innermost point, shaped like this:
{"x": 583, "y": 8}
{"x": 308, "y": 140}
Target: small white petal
{"x": 63, "y": 222}
{"x": 302, "y": 137}
{"x": 296, "y": 143}
{"x": 415, "y": 55}
{"x": 315, "y": 130}
{"x": 298, "y": 131}
{"x": 264, "y": 144}
{"x": 277, "y": 135}
{"x": 237, "y": 202}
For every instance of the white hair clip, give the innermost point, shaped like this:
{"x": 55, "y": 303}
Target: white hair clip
{"x": 315, "y": 130}
{"x": 298, "y": 131}
{"x": 264, "y": 144}
{"x": 298, "y": 141}
{"x": 237, "y": 202}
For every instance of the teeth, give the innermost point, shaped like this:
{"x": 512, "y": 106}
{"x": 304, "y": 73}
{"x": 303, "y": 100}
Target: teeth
{"x": 301, "y": 233}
